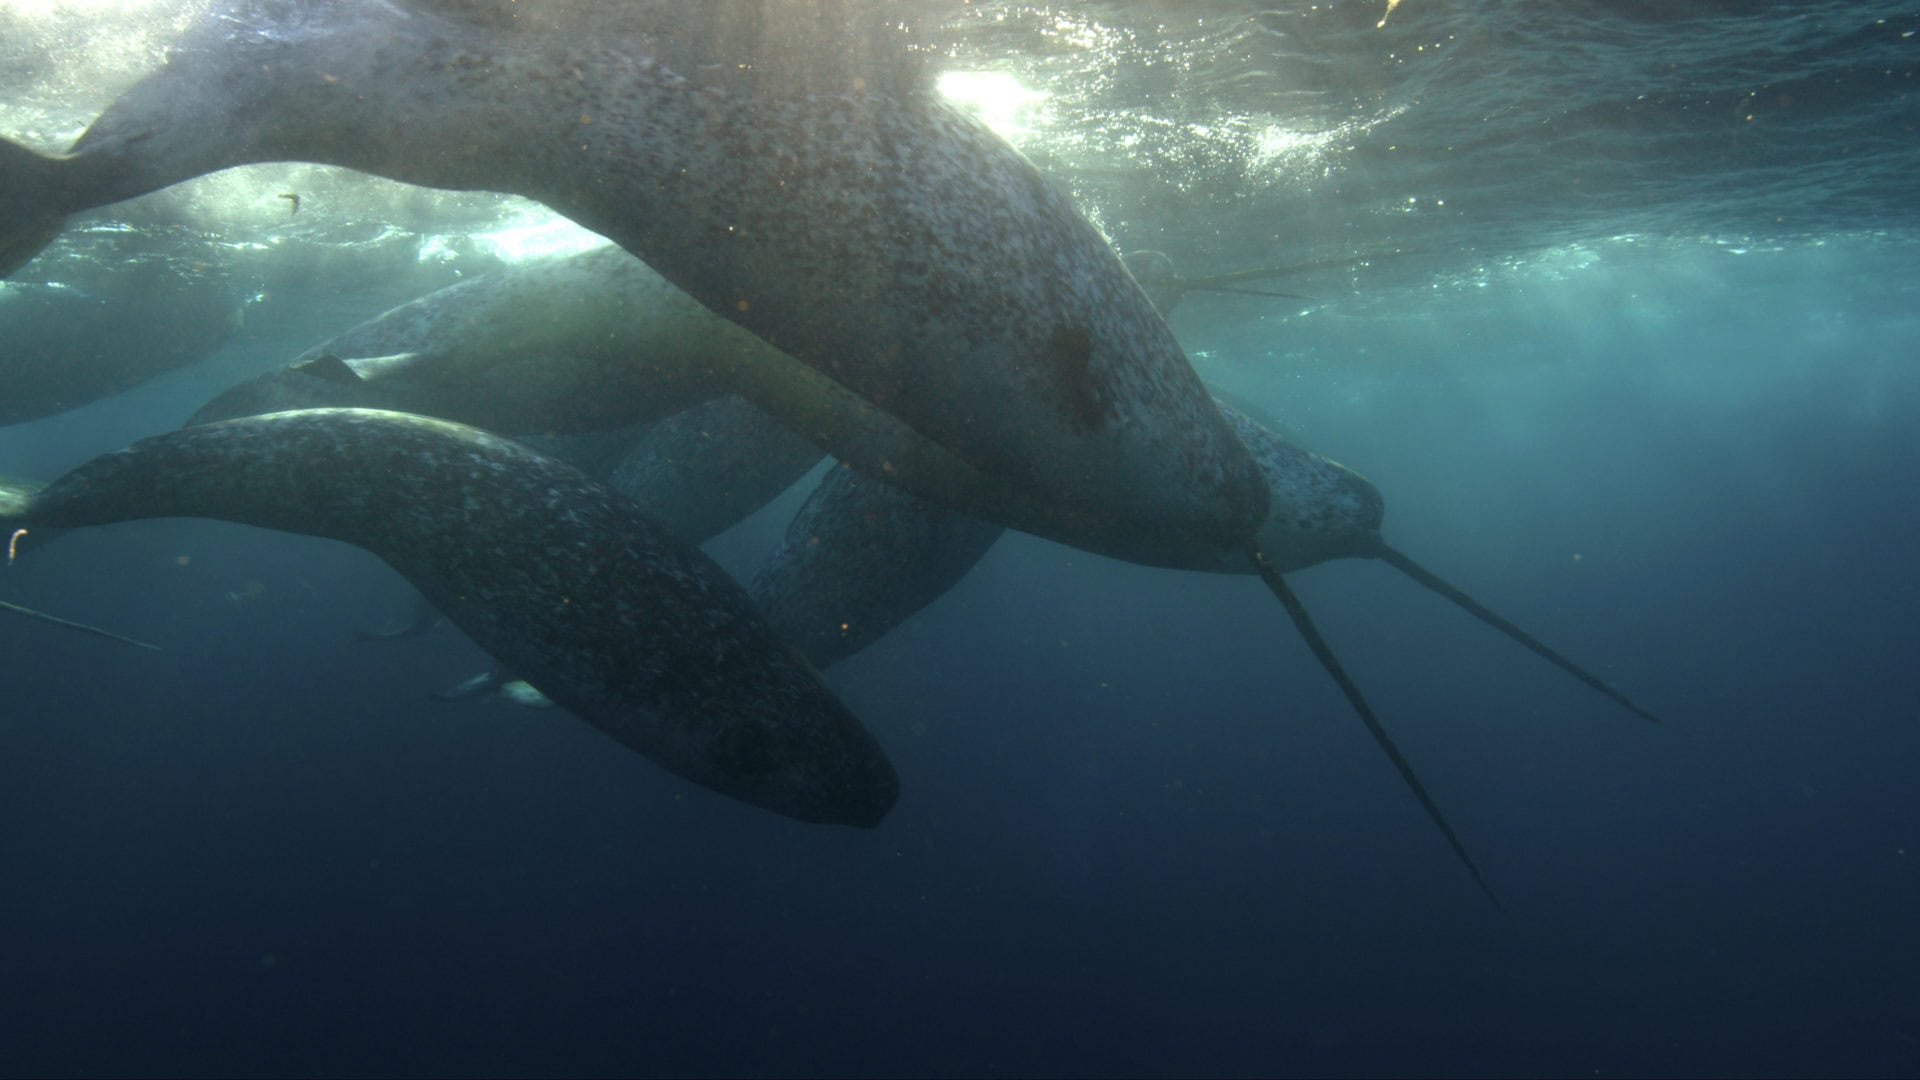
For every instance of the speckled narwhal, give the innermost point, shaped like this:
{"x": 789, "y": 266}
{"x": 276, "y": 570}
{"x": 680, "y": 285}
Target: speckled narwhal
{"x": 562, "y": 580}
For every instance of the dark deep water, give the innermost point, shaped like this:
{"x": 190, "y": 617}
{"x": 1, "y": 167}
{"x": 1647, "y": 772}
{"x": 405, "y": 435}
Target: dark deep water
{"x": 1631, "y": 367}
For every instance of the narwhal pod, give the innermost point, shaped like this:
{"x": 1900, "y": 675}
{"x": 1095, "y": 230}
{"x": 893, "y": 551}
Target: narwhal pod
{"x": 862, "y": 556}
{"x": 824, "y": 197}
{"x": 560, "y": 579}
{"x": 633, "y": 348}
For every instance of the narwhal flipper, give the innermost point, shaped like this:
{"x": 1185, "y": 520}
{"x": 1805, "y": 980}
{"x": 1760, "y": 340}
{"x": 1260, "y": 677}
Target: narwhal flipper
{"x": 27, "y": 184}
{"x": 1304, "y": 623}
{"x": 71, "y": 625}
{"x": 496, "y": 682}
{"x": 475, "y": 686}
{"x": 1480, "y": 611}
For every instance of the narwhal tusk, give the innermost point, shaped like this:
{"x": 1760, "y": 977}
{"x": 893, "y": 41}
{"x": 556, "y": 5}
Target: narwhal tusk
{"x": 71, "y": 625}
{"x": 1304, "y": 623}
{"x": 1426, "y": 577}
{"x": 1237, "y": 291}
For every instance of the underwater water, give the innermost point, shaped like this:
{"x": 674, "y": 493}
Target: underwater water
{"x": 1619, "y": 308}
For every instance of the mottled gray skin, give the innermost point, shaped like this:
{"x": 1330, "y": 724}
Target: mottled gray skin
{"x": 861, "y": 556}
{"x": 570, "y": 345}
{"x": 1321, "y": 509}
{"x": 565, "y": 344}
{"x": 462, "y": 353}
{"x": 457, "y": 360}
{"x": 701, "y": 471}
{"x": 538, "y": 394}
{"x": 859, "y": 559}
{"x": 561, "y": 580}
{"x": 850, "y": 217}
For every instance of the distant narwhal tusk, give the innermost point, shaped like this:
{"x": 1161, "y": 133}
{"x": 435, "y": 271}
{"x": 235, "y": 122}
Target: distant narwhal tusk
{"x": 1426, "y": 577}
{"x": 71, "y": 625}
{"x": 1304, "y": 623}
{"x": 1237, "y": 291}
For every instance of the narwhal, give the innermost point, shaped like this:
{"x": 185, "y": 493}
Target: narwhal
{"x": 570, "y": 584}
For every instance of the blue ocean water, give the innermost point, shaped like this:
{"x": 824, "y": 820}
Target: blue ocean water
{"x": 1619, "y": 306}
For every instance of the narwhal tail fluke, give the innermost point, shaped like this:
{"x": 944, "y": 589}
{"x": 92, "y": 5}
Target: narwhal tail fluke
{"x": 1302, "y": 621}
{"x": 71, "y": 625}
{"x": 1478, "y": 610}
{"x": 27, "y": 186}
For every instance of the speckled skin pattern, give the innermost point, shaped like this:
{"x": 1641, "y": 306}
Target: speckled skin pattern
{"x": 851, "y": 218}
{"x": 858, "y": 559}
{"x": 562, "y": 581}
{"x": 861, "y": 557}
{"x": 702, "y": 470}
{"x": 1321, "y": 509}
{"x": 571, "y": 344}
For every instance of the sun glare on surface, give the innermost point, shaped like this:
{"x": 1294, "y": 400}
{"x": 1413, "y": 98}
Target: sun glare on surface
{"x": 536, "y": 233}
{"x": 997, "y": 98}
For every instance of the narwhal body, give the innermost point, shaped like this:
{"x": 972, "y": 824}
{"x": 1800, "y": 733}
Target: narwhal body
{"x": 569, "y": 584}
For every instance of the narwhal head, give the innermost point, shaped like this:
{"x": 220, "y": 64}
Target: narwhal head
{"x": 1319, "y": 509}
